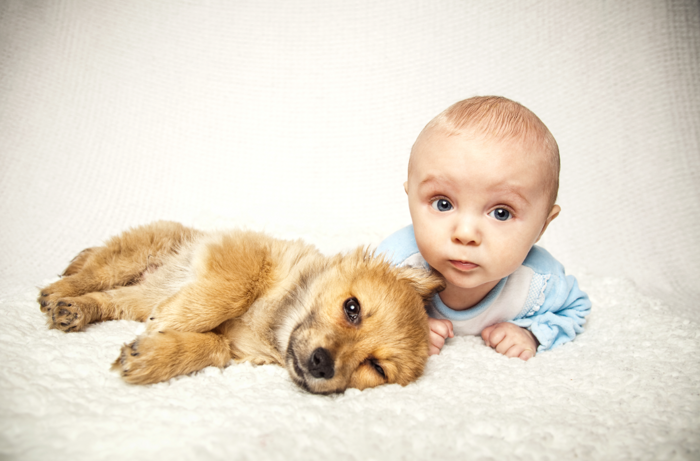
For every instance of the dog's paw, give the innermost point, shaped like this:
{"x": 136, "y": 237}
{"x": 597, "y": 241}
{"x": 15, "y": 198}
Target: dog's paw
{"x": 141, "y": 362}
{"x": 66, "y": 314}
{"x": 48, "y": 297}
{"x": 46, "y": 300}
{"x": 51, "y": 294}
{"x": 126, "y": 361}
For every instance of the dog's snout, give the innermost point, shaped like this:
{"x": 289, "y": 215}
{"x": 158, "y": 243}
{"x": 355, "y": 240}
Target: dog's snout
{"x": 321, "y": 364}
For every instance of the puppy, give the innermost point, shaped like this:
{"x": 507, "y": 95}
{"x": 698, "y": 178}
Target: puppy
{"x": 211, "y": 297}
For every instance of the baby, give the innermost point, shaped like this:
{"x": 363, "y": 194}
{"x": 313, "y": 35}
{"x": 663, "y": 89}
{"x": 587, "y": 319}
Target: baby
{"x": 482, "y": 183}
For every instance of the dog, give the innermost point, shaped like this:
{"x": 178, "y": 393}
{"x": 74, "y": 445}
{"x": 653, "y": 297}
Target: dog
{"x": 207, "y": 298}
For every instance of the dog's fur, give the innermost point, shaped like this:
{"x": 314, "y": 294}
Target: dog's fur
{"x": 334, "y": 323}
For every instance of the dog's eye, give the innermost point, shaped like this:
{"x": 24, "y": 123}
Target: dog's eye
{"x": 378, "y": 368}
{"x": 352, "y": 309}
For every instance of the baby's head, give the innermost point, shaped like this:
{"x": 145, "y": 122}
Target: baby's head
{"x": 500, "y": 119}
{"x": 482, "y": 184}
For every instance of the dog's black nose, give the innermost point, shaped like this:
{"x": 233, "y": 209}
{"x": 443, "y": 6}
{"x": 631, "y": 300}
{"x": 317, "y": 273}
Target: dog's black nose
{"x": 321, "y": 364}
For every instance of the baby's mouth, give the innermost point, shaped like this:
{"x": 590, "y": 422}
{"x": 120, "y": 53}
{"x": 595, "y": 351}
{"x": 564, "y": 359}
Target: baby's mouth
{"x": 463, "y": 265}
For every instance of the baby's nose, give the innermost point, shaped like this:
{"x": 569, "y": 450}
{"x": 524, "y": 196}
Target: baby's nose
{"x": 467, "y": 232}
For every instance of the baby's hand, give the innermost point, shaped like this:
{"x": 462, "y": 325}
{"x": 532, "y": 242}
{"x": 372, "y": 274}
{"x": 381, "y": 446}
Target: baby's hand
{"x": 510, "y": 340}
{"x": 440, "y": 330}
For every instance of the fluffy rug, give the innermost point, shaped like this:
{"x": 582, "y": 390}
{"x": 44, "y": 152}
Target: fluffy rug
{"x": 627, "y": 388}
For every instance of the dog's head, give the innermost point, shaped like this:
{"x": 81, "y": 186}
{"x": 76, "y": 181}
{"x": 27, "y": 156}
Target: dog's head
{"x": 363, "y": 324}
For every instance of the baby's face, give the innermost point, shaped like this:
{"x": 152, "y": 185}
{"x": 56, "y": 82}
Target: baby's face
{"x": 477, "y": 205}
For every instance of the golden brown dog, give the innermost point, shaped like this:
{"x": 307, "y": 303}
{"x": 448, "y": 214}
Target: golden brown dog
{"x": 209, "y": 297}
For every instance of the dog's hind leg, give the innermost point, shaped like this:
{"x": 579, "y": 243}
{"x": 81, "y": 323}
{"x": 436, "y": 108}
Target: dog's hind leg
{"x": 69, "y": 285}
{"x": 75, "y": 313}
{"x": 159, "y": 356}
{"x": 78, "y": 262}
{"x": 120, "y": 262}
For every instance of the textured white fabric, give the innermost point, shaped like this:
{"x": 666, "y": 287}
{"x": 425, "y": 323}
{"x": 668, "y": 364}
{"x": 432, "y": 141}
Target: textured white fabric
{"x": 298, "y": 117}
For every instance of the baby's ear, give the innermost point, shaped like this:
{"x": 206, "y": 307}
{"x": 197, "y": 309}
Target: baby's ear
{"x": 425, "y": 282}
{"x": 553, "y": 213}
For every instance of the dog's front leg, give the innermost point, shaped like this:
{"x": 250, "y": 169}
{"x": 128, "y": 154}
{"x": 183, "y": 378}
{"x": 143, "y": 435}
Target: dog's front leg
{"x": 159, "y": 356}
{"x": 228, "y": 280}
{"x": 198, "y": 308}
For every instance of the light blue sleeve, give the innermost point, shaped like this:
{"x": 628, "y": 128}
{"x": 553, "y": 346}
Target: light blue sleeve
{"x": 561, "y": 315}
{"x": 399, "y": 246}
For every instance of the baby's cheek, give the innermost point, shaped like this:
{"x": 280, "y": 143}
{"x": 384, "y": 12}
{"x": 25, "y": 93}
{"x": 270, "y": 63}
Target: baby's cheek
{"x": 508, "y": 262}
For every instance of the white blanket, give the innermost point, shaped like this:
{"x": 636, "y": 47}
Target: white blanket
{"x": 297, "y": 118}
{"x": 627, "y": 388}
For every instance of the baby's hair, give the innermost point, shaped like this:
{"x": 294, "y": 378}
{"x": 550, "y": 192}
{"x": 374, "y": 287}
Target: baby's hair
{"x": 504, "y": 119}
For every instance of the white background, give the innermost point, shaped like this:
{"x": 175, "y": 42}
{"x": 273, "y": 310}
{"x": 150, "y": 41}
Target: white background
{"x": 119, "y": 113}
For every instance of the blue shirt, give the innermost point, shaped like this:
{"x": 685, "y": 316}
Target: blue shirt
{"x": 538, "y": 296}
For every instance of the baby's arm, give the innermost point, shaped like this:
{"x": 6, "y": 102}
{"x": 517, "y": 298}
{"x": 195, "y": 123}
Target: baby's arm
{"x": 561, "y": 317}
{"x": 440, "y": 330}
{"x": 510, "y": 340}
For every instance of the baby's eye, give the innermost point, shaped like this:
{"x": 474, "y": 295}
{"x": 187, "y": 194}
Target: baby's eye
{"x": 501, "y": 214}
{"x": 442, "y": 204}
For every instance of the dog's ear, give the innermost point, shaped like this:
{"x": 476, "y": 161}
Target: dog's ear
{"x": 425, "y": 282}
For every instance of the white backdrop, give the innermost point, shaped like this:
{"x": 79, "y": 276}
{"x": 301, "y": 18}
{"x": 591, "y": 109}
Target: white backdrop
{"x": 300, "y": 116}
{"x": 114, "y": 113}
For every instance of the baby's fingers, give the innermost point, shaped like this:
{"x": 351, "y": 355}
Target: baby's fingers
{"x": 493, "y": 336}
{"x": 527, "y": 354}
{"x": 442, "y": 327}
{"x": 506, "y": 345}
{"x": 436, "y": 343}
{"x": 519, "y": 351}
